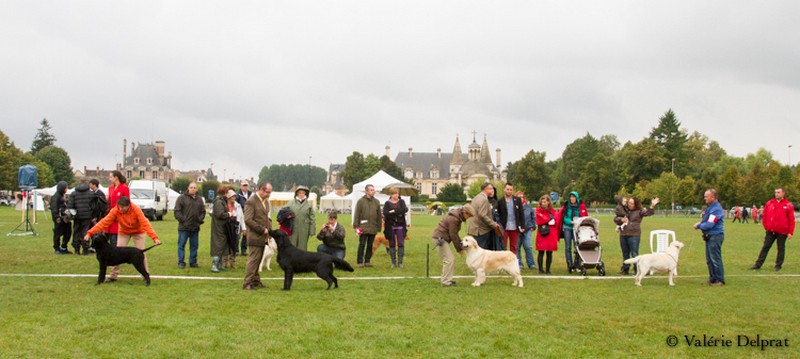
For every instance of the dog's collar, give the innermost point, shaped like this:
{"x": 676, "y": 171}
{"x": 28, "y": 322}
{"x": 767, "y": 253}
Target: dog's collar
{"x": 673, "y": 258}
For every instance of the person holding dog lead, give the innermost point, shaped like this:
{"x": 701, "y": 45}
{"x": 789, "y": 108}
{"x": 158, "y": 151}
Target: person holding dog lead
{"x": 256, "y": 217}
{"x": 132, "y": 225}
{"x": 446, "y": 232}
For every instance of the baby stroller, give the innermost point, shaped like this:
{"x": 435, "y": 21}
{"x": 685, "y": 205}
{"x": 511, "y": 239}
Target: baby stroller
{"x": 588, "y": 252}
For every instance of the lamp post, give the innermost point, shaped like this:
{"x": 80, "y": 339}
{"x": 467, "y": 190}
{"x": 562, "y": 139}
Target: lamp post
{"x": 790, "y": 156}
{"x": 672, "y": 188}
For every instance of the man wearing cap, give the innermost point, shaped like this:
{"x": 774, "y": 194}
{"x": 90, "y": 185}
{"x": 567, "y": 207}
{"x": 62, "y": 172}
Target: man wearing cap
{"x": 190, "y": 211}
{"x": 304, "y": 221}
{"x": 242, "y": 196}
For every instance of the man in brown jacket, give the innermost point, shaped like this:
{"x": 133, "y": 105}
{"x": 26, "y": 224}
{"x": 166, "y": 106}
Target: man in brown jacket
{"x": 447, "y": 232}
{"x": 256, "y": 218}
{"x": 482, "y": 224}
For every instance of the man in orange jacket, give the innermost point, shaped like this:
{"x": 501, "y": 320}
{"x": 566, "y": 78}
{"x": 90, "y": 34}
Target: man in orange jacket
{"x": 778, "y": 221}
{"x": 132, "y": 224}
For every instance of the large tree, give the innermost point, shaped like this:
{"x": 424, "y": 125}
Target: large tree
{"x": 531, "y": 174}
{"x": 642, "y": 161}
{"x": 578, "y": 154}
{"x": 600, "y": 179}
{"x": 669, "y": 135}
{"x": 180, "y": 184}
{"x": 43, "y": 137}
{"x": 284, "y": 177}
{"x": 58, "y": 160}
{"x": 452, "y": 192}
{"x": 358, "y": 168}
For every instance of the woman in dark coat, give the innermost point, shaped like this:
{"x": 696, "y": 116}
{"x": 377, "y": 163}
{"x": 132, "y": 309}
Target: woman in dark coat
{"x": 394, "y": 217}
{"x": 220, "y": 215}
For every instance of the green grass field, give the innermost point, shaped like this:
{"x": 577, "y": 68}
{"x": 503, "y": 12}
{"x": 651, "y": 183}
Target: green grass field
{"x": 46, "y": 315}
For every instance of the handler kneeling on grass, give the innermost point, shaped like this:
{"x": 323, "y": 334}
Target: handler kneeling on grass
{"x": 132, "y": 224}
{"x": 447, "y": 232}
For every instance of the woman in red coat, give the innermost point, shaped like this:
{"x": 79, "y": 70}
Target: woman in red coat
{"x": 117, "y": 189}
{"x": 547, "y": 235}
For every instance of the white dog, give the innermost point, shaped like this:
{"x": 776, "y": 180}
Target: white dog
{"x": 269, "y": 250}
{"x": 481, "y": 261}
{"x": 658, "y": 262}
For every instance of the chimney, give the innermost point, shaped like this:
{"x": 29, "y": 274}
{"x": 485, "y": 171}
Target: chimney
{"x": 439, "y": 152}
{"x": 388, "y": 151}
{"x": 133, "y": 148}
{"x": 498, "y": 158}
{"x": 160, "y": 148}
{"x": 124, "y": 150}
{"x": 410, "y": 152}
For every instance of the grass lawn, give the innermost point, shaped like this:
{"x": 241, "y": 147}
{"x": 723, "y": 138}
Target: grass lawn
{"x": 559, "y": 316}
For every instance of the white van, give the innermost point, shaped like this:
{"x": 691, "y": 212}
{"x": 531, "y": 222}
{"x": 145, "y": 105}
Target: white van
{"x": 151, "y": 197}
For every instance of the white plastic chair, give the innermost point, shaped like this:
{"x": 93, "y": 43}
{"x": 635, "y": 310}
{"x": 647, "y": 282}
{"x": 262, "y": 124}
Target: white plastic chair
{"x": 663, "y": 238}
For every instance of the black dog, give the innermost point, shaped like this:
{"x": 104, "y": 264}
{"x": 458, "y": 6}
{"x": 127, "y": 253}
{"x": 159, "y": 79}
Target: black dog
{"x": 293, "y": 260}
{"x": 108, "y": 255}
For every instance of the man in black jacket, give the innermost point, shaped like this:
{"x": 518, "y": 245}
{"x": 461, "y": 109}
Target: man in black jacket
{"x": 511, "y": 217}
{"x": 61, "y": 225}
{"x": 80, "y": 202}
{"x": 190, "y": 211}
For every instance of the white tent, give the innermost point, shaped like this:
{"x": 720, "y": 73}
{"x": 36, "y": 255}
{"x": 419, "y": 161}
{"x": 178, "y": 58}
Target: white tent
{"x": 379, "y": 180}
{"x": 172, "y": 197}
{"x": 333, "y": 201}
{"x": 39, "y": 204}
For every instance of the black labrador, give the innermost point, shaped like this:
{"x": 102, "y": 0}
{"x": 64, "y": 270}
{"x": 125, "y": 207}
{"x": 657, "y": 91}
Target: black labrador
{"x": 294, "y": 260}
{"x": 109, "y": 255}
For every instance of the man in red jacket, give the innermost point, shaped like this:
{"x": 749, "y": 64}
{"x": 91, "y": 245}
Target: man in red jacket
{"x": 778, "y": 221}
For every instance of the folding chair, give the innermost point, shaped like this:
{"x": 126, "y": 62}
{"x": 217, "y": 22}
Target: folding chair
{"x": 663, "y": 238}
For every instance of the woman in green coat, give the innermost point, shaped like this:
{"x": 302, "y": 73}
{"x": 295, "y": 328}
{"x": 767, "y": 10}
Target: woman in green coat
{"x": 305, "y": 221}
{"x": 220, "y": 214}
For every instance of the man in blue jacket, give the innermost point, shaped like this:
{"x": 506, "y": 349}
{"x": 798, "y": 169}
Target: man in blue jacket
{"x": 713, "y": 234}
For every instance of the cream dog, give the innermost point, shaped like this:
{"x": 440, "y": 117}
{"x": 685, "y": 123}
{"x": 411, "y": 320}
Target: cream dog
{"x": 658, "y": 262}
{"x": 269, "y": 250}
{"x": 481, "y": 261}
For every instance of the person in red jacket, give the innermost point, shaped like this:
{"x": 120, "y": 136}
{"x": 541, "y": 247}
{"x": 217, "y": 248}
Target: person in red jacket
{"x": 778, "y": 221}
{"x": 118, "y": 189}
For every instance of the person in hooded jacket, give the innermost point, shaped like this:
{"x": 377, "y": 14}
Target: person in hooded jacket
{"x": 81, "y": 202}
{"x": 62, "y": 228}
{"x": 305, "y": 222}
{"x": 571, "y": 209}
{"x": 220, "y": 214}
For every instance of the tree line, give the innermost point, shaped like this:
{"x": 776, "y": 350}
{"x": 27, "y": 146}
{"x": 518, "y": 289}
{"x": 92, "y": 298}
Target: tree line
{"x": 52, "y": 163}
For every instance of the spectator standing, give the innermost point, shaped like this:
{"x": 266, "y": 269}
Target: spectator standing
{"x": 367, "y": 223}
{"x": 482, "y": 226}
{"x": 62, "y": 228}
{"x": 305, "y": 222}
{"x": 242, "y": 196}
{"x": 511, "y": 218}
{"x": 754, "y": 214}
{"x": 745, "y": 214}
{"x": 117, "y": 190}
{"x": 630, "y": 235}
{"x": 779, "y": 223}
{"x": 190, "y": 211}
{"x": 526, "y": 243}
{"x": 394, "y": 218}
{"x": 221, "y": 213}
{"x": 547, "y": 236}
{"x": 571, "y": 209}
{"x": 713, "y": 228}
{"x": 80, "y": 201}
{"x": 99, "y": 202}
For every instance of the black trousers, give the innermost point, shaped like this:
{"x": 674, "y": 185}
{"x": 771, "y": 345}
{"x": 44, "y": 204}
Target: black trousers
{"x": 770, "y": 238}
{"x": 365, "y": 248}
{"x": 61, "y": 230}
{"x": 79, "y": 229}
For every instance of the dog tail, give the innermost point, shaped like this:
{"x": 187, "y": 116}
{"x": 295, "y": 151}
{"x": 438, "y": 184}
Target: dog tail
{"x": 632, "y": 260}
{"x": 342, "y": 264}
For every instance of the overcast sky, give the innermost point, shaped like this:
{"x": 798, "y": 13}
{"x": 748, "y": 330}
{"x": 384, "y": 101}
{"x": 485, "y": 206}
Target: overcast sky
{"x": 243, "y": 84}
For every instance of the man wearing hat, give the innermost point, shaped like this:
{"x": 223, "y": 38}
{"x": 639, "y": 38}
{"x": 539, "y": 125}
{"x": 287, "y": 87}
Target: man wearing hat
{"x": 304, "y": 221}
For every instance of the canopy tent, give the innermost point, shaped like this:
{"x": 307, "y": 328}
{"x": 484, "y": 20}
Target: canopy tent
{"x": 39, "y": 194}
{"x": 278, "y": 200}
{"x": 172, "y": 198}
{"x": 333, "y": 201}
{"x": 378, "y": 180}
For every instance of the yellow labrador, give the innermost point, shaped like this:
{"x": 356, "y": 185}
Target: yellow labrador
{"x": 658, "y": 262}
{"x": 269, "y": 251}
{"x": 482, "y": 261}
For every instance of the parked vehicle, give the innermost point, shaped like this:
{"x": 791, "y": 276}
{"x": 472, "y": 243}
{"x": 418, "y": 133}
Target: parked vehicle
{"x": 151, "y": 197}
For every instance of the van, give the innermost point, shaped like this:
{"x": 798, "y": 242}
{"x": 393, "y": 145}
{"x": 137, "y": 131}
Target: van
{"x": 151, "y": 197}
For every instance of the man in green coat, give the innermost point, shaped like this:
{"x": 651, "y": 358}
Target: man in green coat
{"x": 367, "y": 222}
{"x": 305, "y": 224}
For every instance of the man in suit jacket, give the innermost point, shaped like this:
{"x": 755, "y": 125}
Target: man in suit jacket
{"x": 256, "y": 218}
{"x": 482, "y": 225}
{"x": 511, "y": 217}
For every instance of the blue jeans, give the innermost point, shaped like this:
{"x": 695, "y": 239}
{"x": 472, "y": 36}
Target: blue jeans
{"x": 483, "y": 240}
{"x": 193, "y": 245}
{"x": 336, "y": 252}
{"x": 716, "y": 271}
{"x": 568, "y": 239}
{"x": 527, "y": 243}
{"x": 630, "y": 249}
